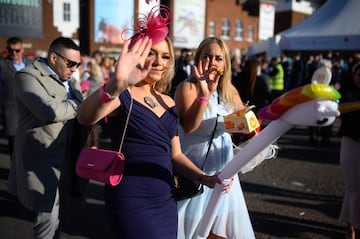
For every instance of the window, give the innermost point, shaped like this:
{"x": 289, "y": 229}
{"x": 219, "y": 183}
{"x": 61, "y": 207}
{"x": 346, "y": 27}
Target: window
{"x": 250, "y": 33}
{"x": 225, "y": 29}
{"x": 211, "y": 29}
{"x": 239, "y": 30}
{"x": 66, "y": 12}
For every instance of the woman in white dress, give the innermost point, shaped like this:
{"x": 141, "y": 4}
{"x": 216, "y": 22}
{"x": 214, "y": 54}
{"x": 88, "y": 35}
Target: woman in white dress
{"x": 199, "y": 100}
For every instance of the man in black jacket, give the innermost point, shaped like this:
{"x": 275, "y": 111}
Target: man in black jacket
{"x": 183, "y": 69}
{"x": 8, "y": 67}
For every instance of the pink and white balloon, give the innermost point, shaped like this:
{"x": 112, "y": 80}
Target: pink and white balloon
{"x": 310, "y": 105}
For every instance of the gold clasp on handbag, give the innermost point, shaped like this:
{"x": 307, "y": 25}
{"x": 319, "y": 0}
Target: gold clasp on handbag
{"x": 176, "y": 181}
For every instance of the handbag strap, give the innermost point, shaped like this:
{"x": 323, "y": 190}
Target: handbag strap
{"x": 211, "y": 139}
{"x": 212, "y": 136}
{"x": 126, "y": 122}
{"x": 125, "y": 127}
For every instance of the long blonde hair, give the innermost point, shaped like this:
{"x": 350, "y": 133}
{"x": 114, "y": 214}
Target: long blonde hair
{"x": 225, "y": 88}
{"x": 164, "y": 84}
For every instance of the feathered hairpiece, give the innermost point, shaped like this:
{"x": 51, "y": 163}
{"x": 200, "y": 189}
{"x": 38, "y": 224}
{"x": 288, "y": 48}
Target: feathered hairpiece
{"x": 154, "y": 25}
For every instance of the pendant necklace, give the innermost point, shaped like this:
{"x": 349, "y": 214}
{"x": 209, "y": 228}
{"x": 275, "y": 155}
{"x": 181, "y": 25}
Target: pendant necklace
{"x": 149, "y": 101}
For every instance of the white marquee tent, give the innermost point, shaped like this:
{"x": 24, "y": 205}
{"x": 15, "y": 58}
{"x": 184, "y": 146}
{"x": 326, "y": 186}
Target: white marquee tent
{"x": 334, "y": 26}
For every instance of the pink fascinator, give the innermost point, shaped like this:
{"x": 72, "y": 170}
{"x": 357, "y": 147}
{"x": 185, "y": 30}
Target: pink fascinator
{"x": 155, "y": 25}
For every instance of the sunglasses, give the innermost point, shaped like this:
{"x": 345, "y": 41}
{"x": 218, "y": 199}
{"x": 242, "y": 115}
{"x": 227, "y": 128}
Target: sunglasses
{"x": 14, "y": 50}
{"x": 69, "y": 63}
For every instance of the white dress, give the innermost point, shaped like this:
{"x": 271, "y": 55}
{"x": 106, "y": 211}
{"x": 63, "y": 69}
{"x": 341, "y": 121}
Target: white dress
{"x": 232, "y": 220}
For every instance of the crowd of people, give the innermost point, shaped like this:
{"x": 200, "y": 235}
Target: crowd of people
{"x": 277, "y": 75}
{"x": 174, "y": 119}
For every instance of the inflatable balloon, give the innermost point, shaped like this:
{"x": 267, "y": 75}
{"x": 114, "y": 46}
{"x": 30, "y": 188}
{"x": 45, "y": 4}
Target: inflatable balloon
{"x": 321, "y": 76}
{"x": 296, "y": 96}
{"x": 318, "y": 107}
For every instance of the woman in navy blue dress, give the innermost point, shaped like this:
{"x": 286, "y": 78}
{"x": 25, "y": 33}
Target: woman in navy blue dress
{"x": 142, "y": 205}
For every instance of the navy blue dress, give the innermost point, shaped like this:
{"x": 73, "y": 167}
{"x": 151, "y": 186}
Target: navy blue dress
{"x": 142, "y": 205}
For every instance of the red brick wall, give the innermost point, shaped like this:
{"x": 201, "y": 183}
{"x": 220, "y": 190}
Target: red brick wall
{"x": 285, "y": 20}
{"x": 49, "y": 33}
{"x": 217, "y": 10}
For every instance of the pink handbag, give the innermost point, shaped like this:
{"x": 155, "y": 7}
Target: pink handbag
{"x": 102, "y": 165}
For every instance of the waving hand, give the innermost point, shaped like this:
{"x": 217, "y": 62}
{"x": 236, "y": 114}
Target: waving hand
{"x": 132, "y": 66}
{"x": 207, "y": 76}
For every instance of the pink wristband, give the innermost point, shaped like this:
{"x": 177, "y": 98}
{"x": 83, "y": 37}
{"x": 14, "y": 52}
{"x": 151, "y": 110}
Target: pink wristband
{"x": 104, "y": 96}
{"x": 202, "y": 100}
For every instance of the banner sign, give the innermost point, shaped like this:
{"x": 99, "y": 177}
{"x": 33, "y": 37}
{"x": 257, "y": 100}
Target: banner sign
{"x": 112, "y": 17}
{"x": 189, "y": 23}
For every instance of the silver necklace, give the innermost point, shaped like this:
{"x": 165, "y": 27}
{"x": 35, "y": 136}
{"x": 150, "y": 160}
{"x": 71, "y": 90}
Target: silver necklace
{"x": 149, "y": 101}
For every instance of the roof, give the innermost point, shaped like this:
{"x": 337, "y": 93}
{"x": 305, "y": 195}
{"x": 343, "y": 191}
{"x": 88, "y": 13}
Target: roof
{"x": 334, "y": 26}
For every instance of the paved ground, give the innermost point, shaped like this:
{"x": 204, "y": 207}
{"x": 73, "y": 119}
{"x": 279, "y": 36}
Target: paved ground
{"x": 296, "y": 195}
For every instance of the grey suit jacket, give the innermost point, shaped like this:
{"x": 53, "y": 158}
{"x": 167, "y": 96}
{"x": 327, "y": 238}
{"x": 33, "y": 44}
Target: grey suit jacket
{"x": 43, "y": 135}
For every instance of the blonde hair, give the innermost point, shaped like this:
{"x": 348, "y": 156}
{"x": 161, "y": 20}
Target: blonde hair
{"x": 164, "y": 84}
{"x": 95, "y": 70}
{"x": 225, "y": 88}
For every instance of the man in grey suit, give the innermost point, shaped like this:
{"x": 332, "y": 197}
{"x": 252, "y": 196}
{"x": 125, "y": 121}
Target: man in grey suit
{"x": 47, "y": 97}
{"x": 14, "y": 62}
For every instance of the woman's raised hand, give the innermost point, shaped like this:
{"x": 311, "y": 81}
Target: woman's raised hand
{"x": 208, "y": 78}
{"x": 132, "y": 66}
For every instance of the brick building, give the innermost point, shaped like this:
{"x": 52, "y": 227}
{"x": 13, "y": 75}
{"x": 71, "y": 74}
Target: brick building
{"x": 236, "y": 21}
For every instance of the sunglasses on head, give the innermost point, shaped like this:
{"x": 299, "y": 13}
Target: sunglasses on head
{"x": 68, "y": 63}
{"x": 14, "y": 50}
